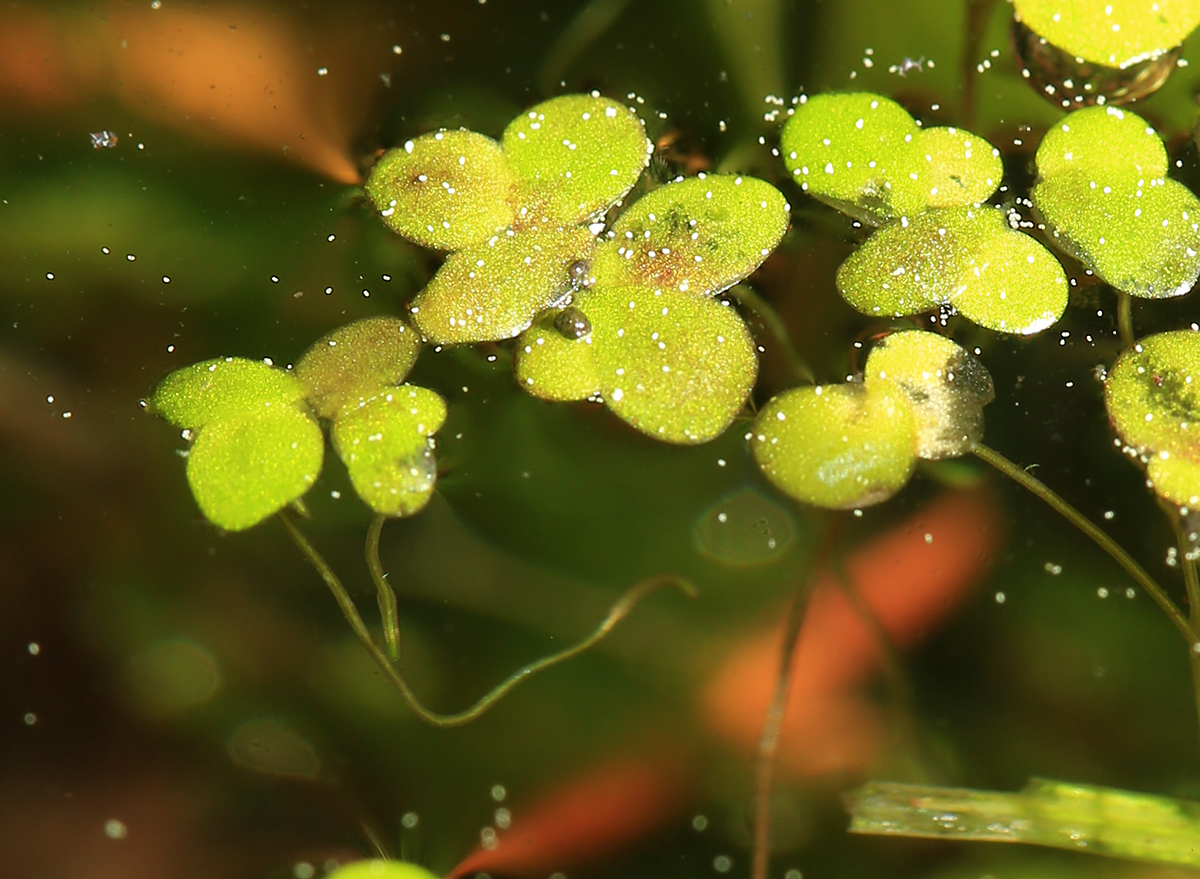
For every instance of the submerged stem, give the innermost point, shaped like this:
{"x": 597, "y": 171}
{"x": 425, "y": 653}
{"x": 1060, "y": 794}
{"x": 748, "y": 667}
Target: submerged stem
{"x": 774, "y": 323}
{"x": 384, "y": 594}
{"x": 1191, "y": 581}
{"x": 618, "y": 612}
{"x": 1125, "y": 319}
{"x": 768, "y": 744}
{"x": 1115, "y": 551}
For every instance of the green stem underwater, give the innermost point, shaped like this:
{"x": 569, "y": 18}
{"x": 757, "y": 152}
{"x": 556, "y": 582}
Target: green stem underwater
{"x": 384, "y": 594}
{"x": 1102, "y": 540}
{"x": 1125, "y": 319}
{"x": 617, "y": 613}
{"x": 1191, "y": 582}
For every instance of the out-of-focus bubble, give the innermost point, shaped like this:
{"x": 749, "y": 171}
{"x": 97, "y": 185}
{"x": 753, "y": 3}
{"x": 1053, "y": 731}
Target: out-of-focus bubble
{"x": 744, "y": 528}
{"x": 272, "y": 747}
{"x": 169, "y": 677}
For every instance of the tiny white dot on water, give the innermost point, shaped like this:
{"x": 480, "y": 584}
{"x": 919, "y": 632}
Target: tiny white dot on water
{"x": 409, "y": 820}
{"x": 700, "y": 823}
{"x": 34, "y": 648}
{"x": 499, "y": 793}
{"x": 30, "y": 719}
{"x": 722, "y": 863}
{"x": 1000, "y": 598}
{"x": 114, "y": 829}
{"x": 303, "y": 870}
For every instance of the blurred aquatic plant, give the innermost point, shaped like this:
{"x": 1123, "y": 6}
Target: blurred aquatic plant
{"x": 1106, "y": 198}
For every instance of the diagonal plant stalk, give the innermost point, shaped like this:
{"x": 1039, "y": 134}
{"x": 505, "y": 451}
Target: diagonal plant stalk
{"x": 768, "y": 743}
{"x": 748, "y": 298}
{"x": 384, "y": 595}
{"x": 1191, "y": 582}
{"x": 617, "y": 613}
{"x": 1125, "y": 319}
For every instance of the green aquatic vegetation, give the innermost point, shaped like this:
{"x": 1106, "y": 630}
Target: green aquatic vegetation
{"x": 967, "y": 258}
{"x": 1106, "y": 198}
{"x": 1152, "y": 394}
{"x": 382, "y": 430}
{"x": 1078, "y": 817}
{"x": 856, "y": 444}
{"x": 513, "y": 214}
{"x": 648, "y": 337}
{"x": 381, "y": 869}
{"x": 866, "y": 156}
{"x": 1114, "y": 33}
{"x": 255, "y": 444}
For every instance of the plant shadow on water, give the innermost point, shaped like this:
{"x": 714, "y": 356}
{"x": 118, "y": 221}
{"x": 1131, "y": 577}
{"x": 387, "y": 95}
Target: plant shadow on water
{"x": 708, "y": 381}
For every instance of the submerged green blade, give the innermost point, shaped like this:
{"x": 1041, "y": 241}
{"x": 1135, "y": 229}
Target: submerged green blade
{"x": 1086, "y": 818}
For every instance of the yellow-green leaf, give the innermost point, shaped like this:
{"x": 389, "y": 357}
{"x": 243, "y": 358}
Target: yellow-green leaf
{"x": 377, "y": 869}
{"x": 384, "y": 442}
{"x": 675, "y": 366}
{"x": 444, "y": 190}
{"x": 494, "y": 289}
{"x": 1152, "y": 394}
{"x": 947, "y": 387}
{"x": 243, "y": 469}
{"x": 225, "y": 387}
{"x": 358, "y": 358}
{"x": 578, "y": 154}
{"x": 552, "y": 366}
{"x": 837, "y": 446}
{"x": 700, "y": 235}
{"x": 1115, "y": 33}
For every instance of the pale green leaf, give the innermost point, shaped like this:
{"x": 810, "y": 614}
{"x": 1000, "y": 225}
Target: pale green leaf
{"x": 444, "y": 190}
{"x": 384, "y": 442}
{"x": 675, "y": 366}
{"x": 956, "y": 168}
{"x": 244, "y": 469}
{"x": 700, "y": 235}
{"x": 965, "y": 257}
{"x": 947, "y": 387}
{"x": 1115, "y": 33}
{"x": 552, "y": 366}
{"x": 1152, "y": 394}
{"x": 225, "y": 387}
{"x": 494, "y": 289}
{"x": 378, "y": 869}
{"x": 1103, "y": 141}
{"x": 837, "y": 446}
{"x": 578, "y": 154}
{"x": 356, "y": 359}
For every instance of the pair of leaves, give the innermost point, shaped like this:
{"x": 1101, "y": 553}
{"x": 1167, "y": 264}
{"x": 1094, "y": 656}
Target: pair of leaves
{"x": 257, "y": 443}
{"x": 654, "y": 343}
{"x": 512, "y": 213}
{"x": 1152, "y": 394}
{"x": 856, "y": 444}
{"x": 866, "y": 156}
{"x": 1105, "y": 195}
{"x": 1114, "y": 33}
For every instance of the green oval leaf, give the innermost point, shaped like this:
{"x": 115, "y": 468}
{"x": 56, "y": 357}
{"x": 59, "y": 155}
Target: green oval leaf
{"x": 837, "y": 446}
{"x": 675, "y": 366}
{"x": 384, "y": 442}
{"x": 1104, "y": 193}
{"x": 866, "y": 156}
{"x": 578, "y": 154}
{"x": 549, "y": 365}
{"x": 1152, "y": 394}
{"x": 225, "y": 387}
{"x": 242, "y": 470}
{"x": 493, "y": 290}
{"x": 947, "y": 387}
{"x": 1115, "y": 33}
{"x": 700, "y": 235}
{"x": 357, "y": 359}
{"x": 444, "y": 190}
{"x": 968, "y": 258}
{"x": 377, "y": 869}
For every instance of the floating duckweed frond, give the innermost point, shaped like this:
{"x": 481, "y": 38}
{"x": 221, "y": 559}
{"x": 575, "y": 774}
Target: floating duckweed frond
{"x": 675, "y": 366}
{"x": 384, "y": 441}
{"x": 837, "y": 446}
{"x": 700, "y": 235}
{"x": 579, "y": 154}
{"x": 378, "y": 869}
{"x": 225, "y": 387}
{"x": 243, "y": 470}
{"x": 1153, "y": 399}
{"x": 444, "y": 190}
{"x": 257, "y": 447}
{"x": 1104, "y": 193}
{"x": 864, "y": 154}
{"x": 356, "y": 359}
{"x": 493, "y": 289}
{"x": 1115, "y": 33}
{"x": 551, "y": 366}
{"x": 968, "y": 258}
{"x": 947, "y": 386}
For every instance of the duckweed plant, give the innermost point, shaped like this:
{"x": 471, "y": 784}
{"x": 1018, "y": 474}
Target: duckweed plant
{"x": 623, "y": 305}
